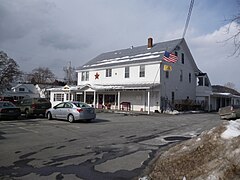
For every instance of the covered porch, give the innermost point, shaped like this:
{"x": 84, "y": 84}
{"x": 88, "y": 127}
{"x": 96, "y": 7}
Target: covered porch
{"x": 123, "y": 98}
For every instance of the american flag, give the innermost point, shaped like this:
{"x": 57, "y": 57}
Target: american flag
{"x": 170, "y": 57}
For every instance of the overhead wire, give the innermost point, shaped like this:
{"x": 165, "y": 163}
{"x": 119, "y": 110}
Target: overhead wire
{"x": 188, "y": 18}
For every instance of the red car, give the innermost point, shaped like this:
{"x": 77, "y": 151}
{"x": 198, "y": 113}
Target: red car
{"x": 9, "y": 111}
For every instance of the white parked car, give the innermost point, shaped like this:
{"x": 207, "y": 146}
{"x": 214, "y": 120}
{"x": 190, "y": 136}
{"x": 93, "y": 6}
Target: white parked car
{"x": 71, "y": 111}
{"x": 230, "y": 112}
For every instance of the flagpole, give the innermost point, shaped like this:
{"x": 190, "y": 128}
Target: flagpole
{"x": 160, "y": 88}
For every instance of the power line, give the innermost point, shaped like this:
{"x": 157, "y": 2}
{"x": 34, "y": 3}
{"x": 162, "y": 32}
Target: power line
{"x": 188, "y": 18}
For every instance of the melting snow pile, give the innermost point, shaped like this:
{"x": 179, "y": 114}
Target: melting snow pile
{"x": 215, "y": 154}
{"x": 233, "y": 130}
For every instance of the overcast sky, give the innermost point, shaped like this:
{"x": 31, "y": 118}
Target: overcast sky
{"x": 51, "y": 33}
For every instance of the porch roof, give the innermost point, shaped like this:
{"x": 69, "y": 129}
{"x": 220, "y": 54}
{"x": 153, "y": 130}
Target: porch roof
{"x": 98, "y": 87}
{"x": 125, "y": 86}
{"x": 229, "y": 95}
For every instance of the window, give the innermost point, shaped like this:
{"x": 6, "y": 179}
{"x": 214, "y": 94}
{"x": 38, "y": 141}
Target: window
{"x": 200, "y": 81}
{"x": 58, "y": 97}
{"x": 182, "y": 58}
{"x": 127, "y": 72}
{"x": 21, "y": 89}
{"x": 190, "y": 77}
{"x": 167, "y": 74}
{"x": 176, "y": 53}
{"x": 108, "y": 72}
{"x": 206, "y": 82}
{"x": 173, "y": 97}
{"x": 67, "y": 97}
{"x": 85, "y": 76}
{"x": 181, "y": 75}
{"x": 142, "y": 71}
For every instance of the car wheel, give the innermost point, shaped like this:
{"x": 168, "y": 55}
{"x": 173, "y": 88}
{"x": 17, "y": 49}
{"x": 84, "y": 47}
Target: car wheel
{"x": 27, "y": 114}
{"x": 70, "y": 118}
{"x": 49, "y": 116}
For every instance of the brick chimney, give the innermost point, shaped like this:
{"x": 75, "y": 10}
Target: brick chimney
{"x": 150, "y": 42}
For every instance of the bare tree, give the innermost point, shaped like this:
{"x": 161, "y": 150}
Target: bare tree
{"x": 70, "y": 74}
{"x": 235, "y": 21}
{"x": 9, "y": 71}
{"x": 41, "y": 75}
{"x": 230, "y": 85}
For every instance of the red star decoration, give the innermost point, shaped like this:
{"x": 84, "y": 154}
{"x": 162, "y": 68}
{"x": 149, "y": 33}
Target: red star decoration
{"x": 97, "y": 76}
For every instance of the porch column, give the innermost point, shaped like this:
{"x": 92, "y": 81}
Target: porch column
{"x": 94, "y": 99}
{"x": 97, "y": 105}
{"x": 84, "y": 96}
{"x": 103, "y": 100}
{"x": 148, "y": 101}
{"x": 119, "y": 94}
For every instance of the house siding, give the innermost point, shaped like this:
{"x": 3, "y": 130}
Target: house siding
{"x": 118, "y": 75}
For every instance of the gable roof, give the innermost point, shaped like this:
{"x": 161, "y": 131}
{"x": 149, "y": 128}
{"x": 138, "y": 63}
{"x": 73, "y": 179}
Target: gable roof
{"x": 140, "y": 54}
{"x": 30, "y": 87}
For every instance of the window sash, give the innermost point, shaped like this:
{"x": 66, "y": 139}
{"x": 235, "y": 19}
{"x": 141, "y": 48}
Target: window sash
{"x": 142, "y": 71}
{"x": 58, "y": 97}
{"x": 108, "y": 72}
{"x": 85, "y": 76}
{"x": 127, "y": 72}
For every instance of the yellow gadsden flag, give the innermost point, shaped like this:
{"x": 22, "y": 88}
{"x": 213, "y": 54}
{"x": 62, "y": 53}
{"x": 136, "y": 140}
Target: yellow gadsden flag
{"x": 167, "y": 68}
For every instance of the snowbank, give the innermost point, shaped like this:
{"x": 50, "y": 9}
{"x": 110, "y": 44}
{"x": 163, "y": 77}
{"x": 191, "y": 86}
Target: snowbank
{"x": 233, "y": 130}
{"x": 215, "y": 154}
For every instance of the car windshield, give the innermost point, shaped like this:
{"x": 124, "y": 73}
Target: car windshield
{"x": 6, "y": 104}
{"x": 81, "y": 104}
{"x": 42, "y": 100}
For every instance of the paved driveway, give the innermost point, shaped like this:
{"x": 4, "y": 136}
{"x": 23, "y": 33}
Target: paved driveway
{"x": 114, "y": 146}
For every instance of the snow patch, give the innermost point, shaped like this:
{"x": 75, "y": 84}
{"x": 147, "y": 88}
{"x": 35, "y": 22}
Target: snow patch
{"x": 174, "y": 112}
{"x": 233, "y": 130}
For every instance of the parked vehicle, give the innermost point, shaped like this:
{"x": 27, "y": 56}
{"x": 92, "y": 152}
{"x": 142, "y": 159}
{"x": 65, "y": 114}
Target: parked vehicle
{"x": 9, "y": 110}
{"x": 71, "y": 111}
{"x": 34, "y": 106}
{"x": 230, "y": 112}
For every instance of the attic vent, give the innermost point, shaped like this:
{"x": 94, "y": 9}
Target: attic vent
{"x": 150, "y": 42}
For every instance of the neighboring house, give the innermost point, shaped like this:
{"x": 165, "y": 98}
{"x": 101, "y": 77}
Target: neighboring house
{"x": 138, "y": 79}
{"x": 223, "y": 96}
{"x": 20, "y": 91}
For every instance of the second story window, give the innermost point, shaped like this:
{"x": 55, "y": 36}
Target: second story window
{"x": 108, "y": 72}
{"x": 85, "y": 76}
{"x": 206, "y": 82}
{"x": 176, "y": 53}
{"x": 182, "y": 58}
{"x": 200, "y": 81}
{"x": 181, "y": 75}
{"x": 127, "y": 71}
{"x": 190, "y": 77}
{"x": 142, "y": 71}
{"x": 167, "y": 74}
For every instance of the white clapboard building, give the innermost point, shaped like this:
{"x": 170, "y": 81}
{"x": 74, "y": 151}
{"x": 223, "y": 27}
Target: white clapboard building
{"x": 139, "y": 79}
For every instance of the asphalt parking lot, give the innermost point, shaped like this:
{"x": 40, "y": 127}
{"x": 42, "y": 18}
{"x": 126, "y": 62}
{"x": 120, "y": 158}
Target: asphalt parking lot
{"x": 114, "y": 146}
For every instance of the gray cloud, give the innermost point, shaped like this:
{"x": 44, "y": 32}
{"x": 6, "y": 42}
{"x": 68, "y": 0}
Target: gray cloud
{"x": 62, "y": 41}
{"x": 51, "y": 33}
{"x": 18, "y": 19}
